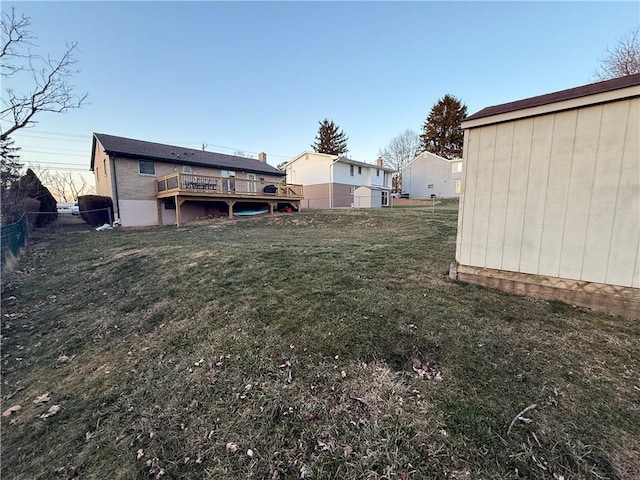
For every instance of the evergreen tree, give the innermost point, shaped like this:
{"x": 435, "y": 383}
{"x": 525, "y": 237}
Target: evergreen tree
{"x": 330, "y": 139}
{"x": 9, "y": 165}
{"x": 441, "y": 132}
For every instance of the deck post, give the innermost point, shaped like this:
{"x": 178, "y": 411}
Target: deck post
{"x": 230, "y": 204}
{"x": 271, "y": 205}
{"x": 159, "y": 206}
{"x": 178, "y": 216}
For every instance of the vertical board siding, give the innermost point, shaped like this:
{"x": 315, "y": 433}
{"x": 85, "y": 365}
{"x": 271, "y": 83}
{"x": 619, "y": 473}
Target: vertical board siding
{"x": 555, "y": 195}
{"x": 467, "y": 202}
{"x": 517, "y": 187}
{"x": 482, "y": 196}
{"x": 536, "y": 193}
{"x": 499, "y": 195}
{"x": 623, "y": 256}
{"x": 557, "y": 192}
{"x": 580, "y": 184}
{"x": 604, "y": 191}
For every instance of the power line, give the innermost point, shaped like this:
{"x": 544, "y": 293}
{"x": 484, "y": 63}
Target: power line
{"x": 54, "y": 153}
{"x": 177, "y": 143}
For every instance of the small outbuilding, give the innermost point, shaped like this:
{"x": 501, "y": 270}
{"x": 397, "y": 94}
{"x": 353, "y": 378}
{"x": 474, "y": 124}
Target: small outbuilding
{"x": 551, "y": 197}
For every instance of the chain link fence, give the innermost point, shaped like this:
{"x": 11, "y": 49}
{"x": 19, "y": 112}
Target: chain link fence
{"x": 13, "y": 237}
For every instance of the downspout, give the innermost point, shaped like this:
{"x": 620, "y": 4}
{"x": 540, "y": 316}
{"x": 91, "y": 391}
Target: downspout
{"x": 331, "y": 185}
{"x": 115, "y": 186}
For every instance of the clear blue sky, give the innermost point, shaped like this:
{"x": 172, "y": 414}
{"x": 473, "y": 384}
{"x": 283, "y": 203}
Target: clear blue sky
{"x": 259, "y": 76}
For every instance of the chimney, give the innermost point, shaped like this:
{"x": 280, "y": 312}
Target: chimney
{"x": 379, "y": 162}
{"x": 262, "y": 157}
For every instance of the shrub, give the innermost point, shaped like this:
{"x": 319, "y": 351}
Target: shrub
{"x": 95, "y": 209}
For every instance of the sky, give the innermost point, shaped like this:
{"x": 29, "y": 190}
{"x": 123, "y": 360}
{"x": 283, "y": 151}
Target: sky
{"x": 259, "y": 76}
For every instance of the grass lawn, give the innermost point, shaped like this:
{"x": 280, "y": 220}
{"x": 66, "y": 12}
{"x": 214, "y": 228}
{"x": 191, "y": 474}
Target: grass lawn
{"x": 321, "y": 345}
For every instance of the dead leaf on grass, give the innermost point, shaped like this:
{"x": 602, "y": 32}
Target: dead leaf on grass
{"x": 65, "y": 359}
{"x": 45, "y": 397}
{"x": 139, "y": 454}
{"x": 232, "y": 447}
{"x": 51, "y": 412}
{"x": 426, "y": 370}
{"x": 156, "y": 470}
{"x": 10, "y": 410}
{"x": 88, "y": 436}
{"x": 348, "y": 450}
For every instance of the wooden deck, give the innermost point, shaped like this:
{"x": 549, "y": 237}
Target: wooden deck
{"x": 189, "y": 187}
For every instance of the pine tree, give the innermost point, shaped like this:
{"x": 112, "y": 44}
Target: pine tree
{"x": 330, "y": 139}
{"x": 441, "y": 132}
{"x": 9, "y": 165}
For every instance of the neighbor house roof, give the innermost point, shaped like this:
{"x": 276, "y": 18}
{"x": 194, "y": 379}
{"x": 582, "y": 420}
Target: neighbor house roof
{"x": 569, "y": 94}
{"x": 363, "y": 164}
{"x": 430, "y": 154}
{"x": 139, "y": 149}
{"x": 336, "y": 158}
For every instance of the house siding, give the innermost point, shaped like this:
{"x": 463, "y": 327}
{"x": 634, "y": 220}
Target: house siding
{"x": 555, "y": 195}
{"x": 327, "y": 180}
{"x": 316, "y": 196}
{"x": 102, "y": 172}
{"x": 429, "y": 169}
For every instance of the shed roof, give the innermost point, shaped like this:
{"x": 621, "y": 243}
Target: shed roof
{"x": 569, "y": 94}
{"x": 139, "y": 149}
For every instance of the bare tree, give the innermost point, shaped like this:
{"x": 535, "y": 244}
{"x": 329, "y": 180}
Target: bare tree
{"x": 51, "y": 89}
{"x": 623, "y": 59}
{"x": 400, "y": 151}
{"x": 240, "y": 153}
{"x": 65, "y": 186}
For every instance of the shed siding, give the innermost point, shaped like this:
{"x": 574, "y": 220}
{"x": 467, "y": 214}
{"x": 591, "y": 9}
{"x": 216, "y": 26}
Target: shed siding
{"x": 625, "y": 235}
{"x": 500, "y": 193}
{"x": 557, "y": 195}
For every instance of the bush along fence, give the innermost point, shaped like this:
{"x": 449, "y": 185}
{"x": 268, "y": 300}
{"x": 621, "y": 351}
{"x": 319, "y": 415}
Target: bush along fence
{"x": 13, "y": 237}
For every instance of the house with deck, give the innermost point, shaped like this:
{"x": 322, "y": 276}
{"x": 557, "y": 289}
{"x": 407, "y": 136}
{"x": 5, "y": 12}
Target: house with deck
{"x": 332, "y": 181}
{"x": 550, "y": 201}
{"x": 157, "y": 184}
{"x": 430, "y": 175}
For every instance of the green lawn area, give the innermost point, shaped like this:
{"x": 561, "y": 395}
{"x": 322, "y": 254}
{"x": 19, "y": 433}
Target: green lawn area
{"x": 324, "y": 345}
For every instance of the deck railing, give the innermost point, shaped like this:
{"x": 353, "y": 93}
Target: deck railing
{"x": 190, "y": 183}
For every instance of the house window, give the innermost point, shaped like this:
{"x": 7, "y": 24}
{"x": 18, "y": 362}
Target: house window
{"x": 359, "y": 170}
{"x": 351, "y": 170}
{"x": 187, "y": 169}
{"x": 430, "y": 185}
{"x": 458, "y": 186}
{"x": 352, "y": 190}
{"x": 146, "y": 167}
{"x": 385, "y": 182}
{"x": 456, "y": 167}
{"x": 170, "y": 203}
{"x": 385, "y": 199}
{"x": 377, "y": 172}
{"x": 104, "y": 166}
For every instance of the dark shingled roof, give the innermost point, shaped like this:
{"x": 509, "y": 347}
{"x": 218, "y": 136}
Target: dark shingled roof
{"x": 130, "y": 148}
{"x": 571, "y": 93}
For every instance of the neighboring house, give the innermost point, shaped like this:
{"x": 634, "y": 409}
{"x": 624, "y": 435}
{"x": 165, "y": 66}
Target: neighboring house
{"x": 429, "y": 174}
{"x": 156, "y": 184}
{"x": 330, "y": 181}
{"x": 551, "y": 197}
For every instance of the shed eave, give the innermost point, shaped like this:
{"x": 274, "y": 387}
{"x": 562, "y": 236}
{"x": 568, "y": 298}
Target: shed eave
{"x": 599, "y": 98}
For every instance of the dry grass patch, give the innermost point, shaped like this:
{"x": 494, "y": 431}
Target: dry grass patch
{"x": 303, "y": 346}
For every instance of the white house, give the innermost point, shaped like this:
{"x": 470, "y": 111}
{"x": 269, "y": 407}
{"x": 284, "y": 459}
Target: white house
{"x": 331, "y": 181}
{"x": 551, "y": 197}
{"x": 429, "y": 174}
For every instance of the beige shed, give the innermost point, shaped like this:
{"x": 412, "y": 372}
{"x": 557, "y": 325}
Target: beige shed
{"x": 551, "y": 197}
